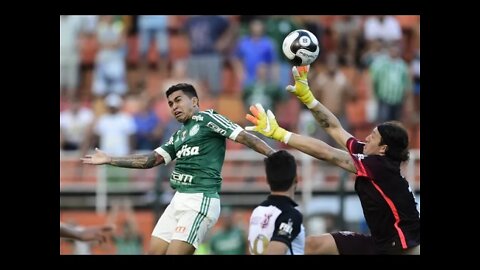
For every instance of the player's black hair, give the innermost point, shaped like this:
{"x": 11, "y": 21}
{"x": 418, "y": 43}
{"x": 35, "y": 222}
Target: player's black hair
{"x": 395, "y": 136}
{"x": 188, "y": 89}
{"x": 281, "y": 170}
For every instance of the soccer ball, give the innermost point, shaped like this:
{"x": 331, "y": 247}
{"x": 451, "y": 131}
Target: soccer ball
{"x": 301, "y": 47}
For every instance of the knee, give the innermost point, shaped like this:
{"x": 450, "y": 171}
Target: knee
{"x": 313, "y": 244}
{"x": 155, "y": 251}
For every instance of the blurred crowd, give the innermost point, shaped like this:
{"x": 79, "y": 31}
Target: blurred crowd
{"x": 114, "y": 71}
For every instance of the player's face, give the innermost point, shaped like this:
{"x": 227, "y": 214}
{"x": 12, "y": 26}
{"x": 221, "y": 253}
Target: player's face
{"x": 372, "y": 142}
{"x": 181, "y": 106}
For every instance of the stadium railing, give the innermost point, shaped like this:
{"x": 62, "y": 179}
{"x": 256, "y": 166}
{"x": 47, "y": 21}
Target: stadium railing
{"x": 243, "y": 174}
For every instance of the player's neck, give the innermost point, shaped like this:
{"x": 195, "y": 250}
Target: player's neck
{"x": 287, "y": 193}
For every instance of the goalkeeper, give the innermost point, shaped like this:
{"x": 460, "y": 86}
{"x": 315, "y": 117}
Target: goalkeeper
{"x": 388, "y": 203}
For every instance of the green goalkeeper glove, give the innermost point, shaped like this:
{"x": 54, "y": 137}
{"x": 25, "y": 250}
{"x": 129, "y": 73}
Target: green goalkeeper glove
{"x": 266, "y": 124}
{"x": 301, "y": 89}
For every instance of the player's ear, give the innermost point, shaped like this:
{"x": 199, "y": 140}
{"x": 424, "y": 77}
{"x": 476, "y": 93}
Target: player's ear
{"x": 195, "y": 101}
{"x": 383, "y": 149}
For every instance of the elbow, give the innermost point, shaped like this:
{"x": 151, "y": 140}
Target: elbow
{"x": 148, "y": 166}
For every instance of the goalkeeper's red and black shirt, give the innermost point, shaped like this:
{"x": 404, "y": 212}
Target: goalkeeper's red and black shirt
{"x": 388, "y": 202}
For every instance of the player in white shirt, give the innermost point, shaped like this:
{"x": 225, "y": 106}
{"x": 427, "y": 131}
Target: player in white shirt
{"x": 276, "y": 224}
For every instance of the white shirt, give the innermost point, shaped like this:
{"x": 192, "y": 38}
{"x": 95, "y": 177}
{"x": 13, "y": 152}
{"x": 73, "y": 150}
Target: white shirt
{"x": 74, "y": 126}
{"x": 114, "y": 131}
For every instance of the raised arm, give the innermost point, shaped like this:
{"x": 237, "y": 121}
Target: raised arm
{"x": 133, "y": 161}
{"x": 324, "y": 117}
{"x": 254, "y": 143}
{"x": 266, "y": 124}
{"x": 331, "y": 124}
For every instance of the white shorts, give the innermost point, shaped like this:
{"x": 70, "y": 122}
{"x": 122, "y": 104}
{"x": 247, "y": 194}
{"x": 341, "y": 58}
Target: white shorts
{"x": 188, "y": 218}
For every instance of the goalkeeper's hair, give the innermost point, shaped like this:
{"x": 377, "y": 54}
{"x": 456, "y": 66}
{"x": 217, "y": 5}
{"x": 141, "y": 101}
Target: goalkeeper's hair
{"x": 188, "y": 89}
{"x": 281, "y": 169}
{"x": 395, "y": 136}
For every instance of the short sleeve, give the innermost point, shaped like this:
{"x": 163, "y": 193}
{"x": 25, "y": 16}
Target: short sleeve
{"x": 167, "y": 150}
{"x": 221, "y": 125}
{"x": 287, "y": 227}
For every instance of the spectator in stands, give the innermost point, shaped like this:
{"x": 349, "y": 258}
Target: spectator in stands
{"x": 415, "y": 71}
{"x": 129, "y": 241}
{"x": 110, "y": 68}
{"x": 153, "y": 27}
{"x": 75, "y": 125}
{"x": 374, "y": 49}
{"x": 388, "y": 203}
{"x": 276, "y": 225}
{"x": 382, "y": 27}
{"x": 148, "y": 125}
{"x": 115, "y": 133}
{"x": 253, "y": 50}
{"x": 391, "y": 83}
{"x": 414, "y": 119}
{"x": 347, "y": 32}
{"x": 262, "y": 90}
{"x": 89, "y": 24}
{"x": 206, "y": 34}
{"x": 230, "y": 239}
{"x": 70, "y": 31}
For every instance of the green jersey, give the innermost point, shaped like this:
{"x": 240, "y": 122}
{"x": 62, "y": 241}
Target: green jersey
{"x": 199, "y": 147}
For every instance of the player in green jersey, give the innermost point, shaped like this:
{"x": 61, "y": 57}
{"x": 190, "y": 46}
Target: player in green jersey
{"x": 199, "y": 149}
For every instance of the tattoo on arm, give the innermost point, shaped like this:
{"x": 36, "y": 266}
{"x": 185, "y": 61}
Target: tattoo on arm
{"x": 344, "y": 160}
{"x": 254, "y": 143}
{"x": 322, "y": 118}
{"x": 137, "y": 161}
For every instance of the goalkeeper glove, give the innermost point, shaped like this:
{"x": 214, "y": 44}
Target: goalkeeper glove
{"x": 266, "y": 124}
{"x": 301, "y": 89}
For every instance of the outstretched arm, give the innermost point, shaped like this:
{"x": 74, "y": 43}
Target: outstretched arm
{"x": 133, "y": 161}
{"x": 321, "y": 150}
{"x": 266, "y": 124}
{"x": 100, "y": 233}
{"x": 254, "y": 143}
{"x": 322, "y": 114}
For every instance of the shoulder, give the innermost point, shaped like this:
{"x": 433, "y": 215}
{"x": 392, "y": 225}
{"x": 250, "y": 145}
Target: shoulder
{"x": 175, "y": 133}
{"x": 208, "y": 112}
{"x": 289, "y": 211}
{"x": 213, "y": 115}
{"x": 294, "y": 213}
{"x": 289, "y": 219}
{"x": 204, "y": 116}
{"x": 374, "y": 166}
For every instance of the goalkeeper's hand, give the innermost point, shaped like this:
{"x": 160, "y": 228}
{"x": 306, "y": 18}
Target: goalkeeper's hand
{"x": 301, "y": 89}
{"x": 266, "y": 124}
